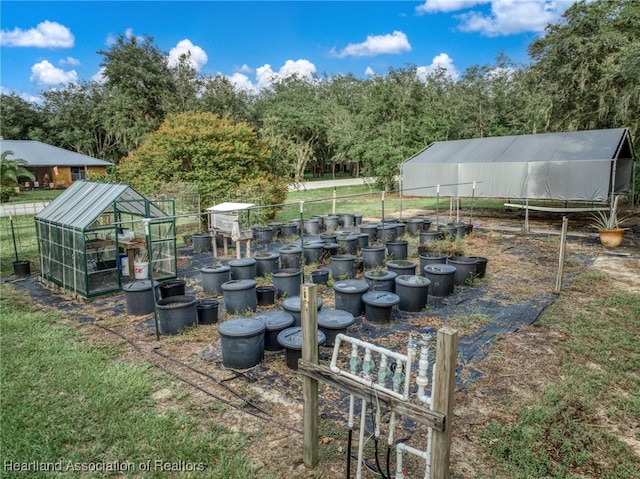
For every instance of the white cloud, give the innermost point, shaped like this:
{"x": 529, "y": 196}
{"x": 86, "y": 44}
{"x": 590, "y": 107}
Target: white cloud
{"x": 197, "y": 56}
{"x": 394, "y": 43}
{"x": 99, "y": 76}
{"x": 69, "y": 61}
{"x": 128, "y": 33}
{"x": 369, "y": 72}
{"x": 45, "y": 74}
{"x": 435, "y": 6}
{"x": 441, "y": 61}
{"x": 242, "y": 82}
{"x": 244, "y": 68}
{"x": 46, "y": 35}
{"x": 506, "y": 17}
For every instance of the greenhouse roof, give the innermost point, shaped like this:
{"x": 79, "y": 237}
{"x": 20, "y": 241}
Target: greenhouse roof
{"x": 84, "y": 201}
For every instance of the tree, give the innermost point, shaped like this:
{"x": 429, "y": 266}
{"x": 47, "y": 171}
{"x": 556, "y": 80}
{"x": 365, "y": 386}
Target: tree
{"x": 19, "y": 118}
{"x": 140, "y": 86}
{"x": 586, "y": 68}
{"x": 224, "y": 158}
{"x": 11, "y": 171}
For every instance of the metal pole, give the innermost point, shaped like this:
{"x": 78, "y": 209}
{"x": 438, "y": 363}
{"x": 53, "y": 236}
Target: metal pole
{"x": 473, "y": 195}
{"x": 437, "y": 206}
{"x": 13, "y": 235}
{"x": 302, "y": 242}
{"x": 147, "y": 237}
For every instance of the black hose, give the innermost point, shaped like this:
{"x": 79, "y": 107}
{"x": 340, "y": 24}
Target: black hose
{"x": 349, "y": 453}
{"x": 388, "y": 461}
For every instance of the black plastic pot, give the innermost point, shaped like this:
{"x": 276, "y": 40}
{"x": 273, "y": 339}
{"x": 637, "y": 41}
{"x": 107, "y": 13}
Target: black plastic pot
{"x": 373, "y": 256}
{"x": 275, "y": 322}
{"x": 214, "y": 278}
{"x": 242, "y": 342}
{"x": 177, "y": 313}
{"x": 402, "y": 266}
{"x": 174, "y": 287}
{"x": 265, "y": 295}
{"x": 240, "y": 295}
{"x": 412, "y": 291}
{"x": 378, "y": 305}
{"x": 343, "y": 266}
{"x": 291, "y": 340}
{"x": 22, "y": 268}
{"x": 207, "y": 311}
{"x": 287, "y": 281}
{"x": 202, "y": 242}
{"x": 398, "y": 249}
{"x": 348, "y": 295}
{"x": 320, "y": 276}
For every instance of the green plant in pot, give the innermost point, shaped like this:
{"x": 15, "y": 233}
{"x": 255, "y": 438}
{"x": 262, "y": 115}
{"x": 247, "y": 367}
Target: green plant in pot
{"x": 608, "y": 225}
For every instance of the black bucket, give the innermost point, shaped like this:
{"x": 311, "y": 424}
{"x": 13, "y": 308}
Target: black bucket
{"x": 265, "y": 295}
{"x": 22, "y": 268}
{"x": 207, "y": 311}
{"x": 175, "y": 287}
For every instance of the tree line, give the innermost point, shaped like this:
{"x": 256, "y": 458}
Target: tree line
{"x": 583, "y": 74}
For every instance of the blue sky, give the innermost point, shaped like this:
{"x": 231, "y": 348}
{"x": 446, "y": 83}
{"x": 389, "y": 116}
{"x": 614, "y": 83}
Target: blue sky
{"x": 46, "y": 44}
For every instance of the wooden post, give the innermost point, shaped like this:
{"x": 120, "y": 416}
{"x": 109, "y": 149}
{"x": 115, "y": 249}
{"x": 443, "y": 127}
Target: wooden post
{"x": 335, "y": 193}
{"x": 309, "y": 323}
{"x": 444, "y": 386}
{"x": 563, "y": 241}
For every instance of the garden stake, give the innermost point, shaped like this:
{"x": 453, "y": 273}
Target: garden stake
{"x": 354, "y": 363}
{"x": 437, "y": 206}
{"x": 473, "y": 194}
{"x": 147, "y": 236}
{"x": 13, "y": 235}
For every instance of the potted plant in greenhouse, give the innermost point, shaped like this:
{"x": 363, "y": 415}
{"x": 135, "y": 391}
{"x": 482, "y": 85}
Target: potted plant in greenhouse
{"x": 608, "y": 225}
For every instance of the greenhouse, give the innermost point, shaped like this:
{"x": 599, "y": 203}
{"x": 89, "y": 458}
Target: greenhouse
{"x": 96, "y": 237}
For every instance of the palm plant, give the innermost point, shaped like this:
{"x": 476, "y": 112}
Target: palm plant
{"x": 11, "y": 170}
{"x": 608, "y": 220}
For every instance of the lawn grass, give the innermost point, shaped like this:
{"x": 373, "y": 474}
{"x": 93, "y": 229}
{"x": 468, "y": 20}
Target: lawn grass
{"x": 71, "y": 402}
{"x": 573, "y": 429}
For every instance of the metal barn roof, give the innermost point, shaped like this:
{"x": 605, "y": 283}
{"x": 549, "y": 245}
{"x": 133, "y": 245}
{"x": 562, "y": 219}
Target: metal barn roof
{"x": 580, "y": 165}
{"x": 84, "y": 201}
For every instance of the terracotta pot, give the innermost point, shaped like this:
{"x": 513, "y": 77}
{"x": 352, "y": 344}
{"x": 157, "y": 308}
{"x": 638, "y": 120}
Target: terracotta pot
{"x": 611, "y": 238}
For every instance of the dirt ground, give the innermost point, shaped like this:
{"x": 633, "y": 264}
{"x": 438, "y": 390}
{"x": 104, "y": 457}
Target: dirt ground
{"x": 505, "y": 365}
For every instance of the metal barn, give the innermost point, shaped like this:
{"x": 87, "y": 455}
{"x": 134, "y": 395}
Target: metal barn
{"x": 97, "y": 236}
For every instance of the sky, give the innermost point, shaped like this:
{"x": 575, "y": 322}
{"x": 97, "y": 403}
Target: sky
{"x": 47, "y": 44}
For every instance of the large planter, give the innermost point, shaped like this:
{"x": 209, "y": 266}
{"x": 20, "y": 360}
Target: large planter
{"x": 348, "y": 243}
{"x": 371, "y": 230}
{"x": 293, "y": 306}
{"x": 213, "y": 278}
{"x": 177, "y": 313}
{"x": 266, "y": 263}
{"x": 290, "y": 256}
{"x": 202, "y": 242}
{"x": 287, "y": 281}
{"x": 378, "y": 305}
{"x": 373, "y": 256}
{"x": 465, "y": 269}
{"x": 387, "y": 232}
{"x": 313, "y": 252}
{"x": 243, "y": 268}
{"x": 381, "y": 280}
{"x": 333, "y": 322}
{"x": 138, "y": 297}
{"x": 312, "y": 227}
{"x": 320, "y": 276}
{"x": 402, "y": 266}
{"x": 263, "y": 234}
{"x": 481, "y": 265}
{"x": 442, "y": 277}
{"x": 240, "y": 295}
{"x": 348, "y": 295}
{"x": 414, "y": 226}
{"x": 242, "y": 342}
{"x": 291, "y": 340}
{"x": 331, "y": 222}
{"x": 289, "y": 229}
{"x": 275, "y": 322}
{"x": 611, "y": 238}
{"x": 343, "y": 266}
{"x": 429, "y": 236}
{"x": 412, "y": 291}
{"x": 398, "y": 249}
{"x": 431, "y": 257}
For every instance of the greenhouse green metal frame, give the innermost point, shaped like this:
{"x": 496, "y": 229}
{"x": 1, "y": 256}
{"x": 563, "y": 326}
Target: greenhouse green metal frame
{"x": 89, "y": 234}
